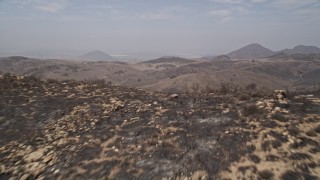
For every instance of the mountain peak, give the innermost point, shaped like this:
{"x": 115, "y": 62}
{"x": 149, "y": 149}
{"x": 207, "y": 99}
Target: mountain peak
{"x": 251, "y": 51}
{"x": 254, "y": 45}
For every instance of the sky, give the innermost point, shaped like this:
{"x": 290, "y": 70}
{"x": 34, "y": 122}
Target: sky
{"x": 166, "y": 26}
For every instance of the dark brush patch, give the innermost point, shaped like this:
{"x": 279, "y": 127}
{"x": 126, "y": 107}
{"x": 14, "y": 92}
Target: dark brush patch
{"x": 293, "y": 130}
{"x": 250, "y": 110}
{"x": 305, "y": 167}
{"x": 317, "y": 129}
{"x": 269, "y": 123}
{"x": 165, "y": 151}
{"x": 251, "y": 148}
{"x": 276, "y": 143}
{"x": 244, "y": 169}
{"x": 280, "y": 117}
{"x": 299, "y": 156}
{"x": 266, "y": 174}
{"x": 265, "y": 146}
{"x": 5, "y": 175}
{"x": 312, "y": 165}
{"x": 254, "y": 158}
{"x": 89, "y": 152}
{"x": 278, "y": 136}
{"x": 307, "y": 176}
{"x": 291, "y": 175}
{"x": 314, "y": 150}
{"x": 311, "y": 120}
{"x": 309, "y": 141}
{"x": 272, "y": 158}
{"x": 311, "y": 133}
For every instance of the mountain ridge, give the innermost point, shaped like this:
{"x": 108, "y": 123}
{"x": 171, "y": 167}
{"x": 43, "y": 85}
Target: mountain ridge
{"x": 302, "y": 49}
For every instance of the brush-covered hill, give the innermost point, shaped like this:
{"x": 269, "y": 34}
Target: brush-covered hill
{"x": 86, "y": 129}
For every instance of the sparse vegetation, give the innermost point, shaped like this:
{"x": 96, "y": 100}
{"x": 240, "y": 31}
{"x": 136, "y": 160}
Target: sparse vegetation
{"x": 250, "y": 110}
{"x": 195, "y": 87}
{"x": 251, "y": 87}
{"x": 280, "y": 117}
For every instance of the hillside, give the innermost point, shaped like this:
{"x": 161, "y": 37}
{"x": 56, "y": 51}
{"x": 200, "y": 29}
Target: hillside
{"x": 97, "y": 56}
{"x": 290, "y": 72}
{"x": 114, "y": 72}
{"x": 81, "y": 130}
{"x": 251, "y": 51}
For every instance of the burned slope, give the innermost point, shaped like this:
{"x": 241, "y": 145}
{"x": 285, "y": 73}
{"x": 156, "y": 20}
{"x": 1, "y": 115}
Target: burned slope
{"x": 81, "y": 130}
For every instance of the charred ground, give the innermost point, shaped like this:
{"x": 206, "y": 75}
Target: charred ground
{"x": 79, "y": 130}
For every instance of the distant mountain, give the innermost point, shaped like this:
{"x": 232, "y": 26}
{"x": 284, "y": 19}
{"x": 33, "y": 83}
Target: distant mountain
{"x": 169, "y": 59}
{"x": 97, "y": 56}
{"x": 210, "y": 57}
{"x": 305, "y": 57}
{"x": 250, "y": 52}
{"x": 301, "y": 49}
{"x": 221, "y": 58}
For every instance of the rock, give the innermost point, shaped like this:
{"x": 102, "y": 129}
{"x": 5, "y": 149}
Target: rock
{"x": 62, "y": 142}
{"x": 200, "y": 175}
{"x": 270, "y": 104}
{"x": 35, "y": 168}
{"x": 47, "y": 159}
{"x": 56, "y": 171}
{"x": 173, "y": 96}
{"x": 24, "y": 177}
{"x": 277, "y": 109}
{"x": 285, "y": 111}
{"x": 34, "y": 156}
{"x": 92, "y": 123}
{"x": 280, "y": 94}
{"x": 62, "y": 134}
{"x": 15, "y": 172}
{"x": 260, "y": 103}
{"x": 226, "y": 111}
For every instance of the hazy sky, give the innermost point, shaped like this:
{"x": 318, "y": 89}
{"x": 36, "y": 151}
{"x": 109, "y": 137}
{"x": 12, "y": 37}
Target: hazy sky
{"x": 170, "y": 26}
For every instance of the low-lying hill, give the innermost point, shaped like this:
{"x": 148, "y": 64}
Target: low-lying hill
{"x": 114, "y": 72}
{"x": 221, "y": 58}
{"x": 80, "y": 130}
{"x": 97, "y": 56}
{"x": 292, "y": 72}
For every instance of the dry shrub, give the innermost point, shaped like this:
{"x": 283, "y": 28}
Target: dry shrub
{"x": 250, "y": 110}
